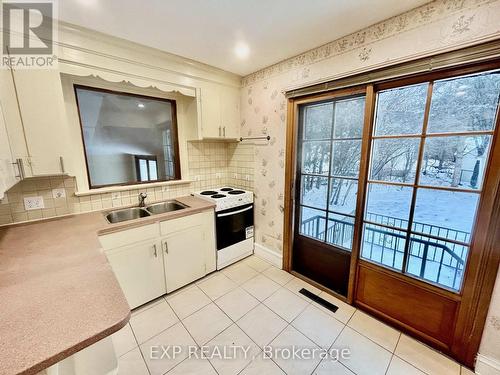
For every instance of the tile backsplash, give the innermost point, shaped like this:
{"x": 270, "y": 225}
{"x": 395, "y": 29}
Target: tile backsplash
{"x": 210, "y": 164}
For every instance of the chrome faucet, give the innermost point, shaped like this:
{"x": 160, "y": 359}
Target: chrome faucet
{"x": 142, "y": 198}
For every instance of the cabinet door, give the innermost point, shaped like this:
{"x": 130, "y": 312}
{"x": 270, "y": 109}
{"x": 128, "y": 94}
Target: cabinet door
{"x": 139, "y": 270}
{"x": 12, "y": 121}
{"x": 211, "y": 126}
{"x": 7, "y": 173}
{"x": 230, "y": 112}
{"x": 42, "y": 109}
{"x": 184, "y": 257}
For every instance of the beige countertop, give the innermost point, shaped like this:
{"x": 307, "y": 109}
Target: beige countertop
{"x": 58, "y": 293}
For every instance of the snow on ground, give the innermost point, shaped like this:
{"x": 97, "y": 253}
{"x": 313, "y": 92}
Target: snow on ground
{"x": 453, "y": 210}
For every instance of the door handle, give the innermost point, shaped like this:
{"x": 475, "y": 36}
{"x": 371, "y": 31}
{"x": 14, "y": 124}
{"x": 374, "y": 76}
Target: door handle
{"x": 234, "y": 212}
{"x": 166, "y": 247}
{"x": 154, "y": 251}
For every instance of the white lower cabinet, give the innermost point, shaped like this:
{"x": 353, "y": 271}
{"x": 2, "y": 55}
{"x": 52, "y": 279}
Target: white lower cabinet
{"x": 159, "y": 258}
{"x": 182, "y": 259}
{"x": 139, "y": 270}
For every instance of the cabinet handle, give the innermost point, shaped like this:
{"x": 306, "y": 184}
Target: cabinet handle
{"x": 224, "y": 131}
{"x": 20, "y": 167}
{"x": 155, "y": 252}
{"x": 166, "y": 247}
{"x": 61, "y": 161}
{"x": 219, "y": 131}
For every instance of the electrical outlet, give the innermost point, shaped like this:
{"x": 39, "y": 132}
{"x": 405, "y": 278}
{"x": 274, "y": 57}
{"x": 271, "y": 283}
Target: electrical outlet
{"x": 58, "y": 193}
{"x": 116, "y": 195}
{"x": 164, "y": 188}
{"x": 33, "y": 203}
{"x": 247, "y": 177}
{"x": 235, "y": 176}
{"x": 197, "y": 178}
{"x": 218, "y": 175}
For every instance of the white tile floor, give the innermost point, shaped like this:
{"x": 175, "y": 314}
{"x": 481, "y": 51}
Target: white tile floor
{"x": 255, "y": 305}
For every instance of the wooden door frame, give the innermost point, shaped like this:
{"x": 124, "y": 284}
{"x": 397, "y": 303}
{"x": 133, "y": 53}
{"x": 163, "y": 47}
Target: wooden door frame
{"x": 290, "y": 185}
{"x": 484, "y": 257}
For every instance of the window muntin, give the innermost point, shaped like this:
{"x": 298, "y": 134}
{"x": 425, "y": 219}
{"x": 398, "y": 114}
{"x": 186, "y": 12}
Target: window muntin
{"x": 118, "y": 128}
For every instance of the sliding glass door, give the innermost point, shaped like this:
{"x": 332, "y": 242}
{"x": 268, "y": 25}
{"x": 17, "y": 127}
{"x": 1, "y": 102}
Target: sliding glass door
{"x": 429, "y": 151}
{"x": 394, "y": 198}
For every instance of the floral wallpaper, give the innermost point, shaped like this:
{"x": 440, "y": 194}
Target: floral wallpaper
{"x": 437, "y": 26}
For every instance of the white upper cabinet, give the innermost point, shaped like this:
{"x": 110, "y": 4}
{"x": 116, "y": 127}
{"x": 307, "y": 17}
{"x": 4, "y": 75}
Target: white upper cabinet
{"x": 41, "y": 105}
{"x": 220, "y": 113}
{"x": 7, "y": 172}
{"x": 13, "y": 143}
{"x": 210, "y": 113}
{"x": 230, "y": 112}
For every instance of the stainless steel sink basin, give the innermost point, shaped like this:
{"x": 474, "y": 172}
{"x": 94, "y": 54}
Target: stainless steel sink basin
{"x": 126, "y": 214}
{"x": 161, "y": 208}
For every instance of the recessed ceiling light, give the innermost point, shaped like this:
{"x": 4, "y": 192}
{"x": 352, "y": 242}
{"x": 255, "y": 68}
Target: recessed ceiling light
{"x": 140, "y": 105}
{"x": 242, "y": 50}
{"x": 88, "y": 3}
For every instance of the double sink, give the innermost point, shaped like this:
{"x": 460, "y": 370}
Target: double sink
{"x": 132, "y": 213}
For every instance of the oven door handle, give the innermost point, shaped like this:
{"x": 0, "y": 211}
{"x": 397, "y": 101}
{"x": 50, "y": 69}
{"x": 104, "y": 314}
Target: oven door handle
{"x": 234, "y": 212}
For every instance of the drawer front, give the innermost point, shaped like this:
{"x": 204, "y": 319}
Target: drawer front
{"x": 129, "y": 236}
{"x": 176, "y": 225}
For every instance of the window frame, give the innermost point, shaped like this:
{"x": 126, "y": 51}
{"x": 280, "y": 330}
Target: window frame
{"x": 147, "y": 158}
{"x": 174, "y": 136}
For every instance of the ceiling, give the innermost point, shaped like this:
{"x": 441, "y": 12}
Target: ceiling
{"x": 209, "y": 30}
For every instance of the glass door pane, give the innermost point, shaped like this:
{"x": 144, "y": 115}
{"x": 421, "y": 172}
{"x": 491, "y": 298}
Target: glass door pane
{"x": 425, "y": 179}
{"x": 329, "y": 168}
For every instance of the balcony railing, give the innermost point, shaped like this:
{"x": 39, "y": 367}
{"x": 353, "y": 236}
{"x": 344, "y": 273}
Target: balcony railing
{"x": 435, "y": 260}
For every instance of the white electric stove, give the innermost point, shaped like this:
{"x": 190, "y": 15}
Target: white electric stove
{"x": 234, "y": 223}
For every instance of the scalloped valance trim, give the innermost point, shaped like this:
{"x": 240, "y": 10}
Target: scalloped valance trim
{"x": 75, "y": 69}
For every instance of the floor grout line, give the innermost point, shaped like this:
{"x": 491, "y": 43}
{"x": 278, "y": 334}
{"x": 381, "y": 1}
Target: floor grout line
{"x": 190, "y": 335}
{"x": 139, "y": 347}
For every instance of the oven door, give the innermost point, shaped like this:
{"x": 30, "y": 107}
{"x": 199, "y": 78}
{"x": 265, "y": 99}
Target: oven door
{"x": 234, "y": 225}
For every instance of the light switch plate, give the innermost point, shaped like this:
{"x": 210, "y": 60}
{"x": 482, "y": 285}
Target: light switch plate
{"x": 33, "y": 203}
{"x": 58, "y": 193}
